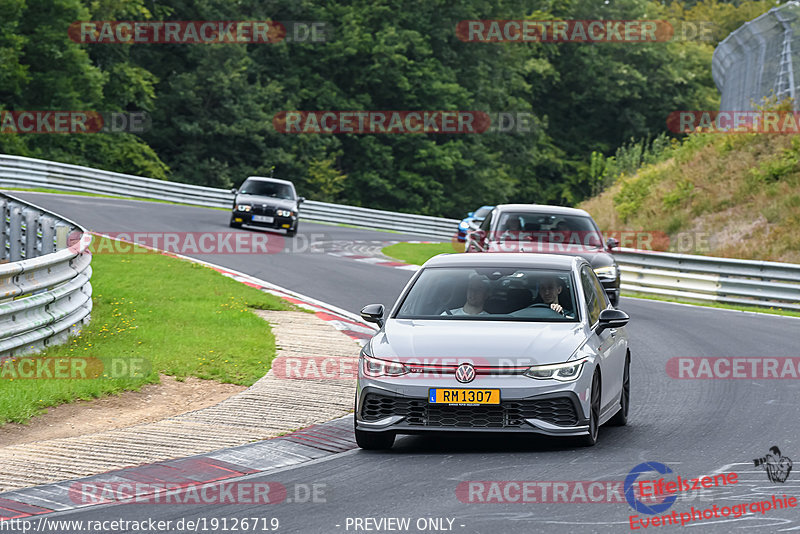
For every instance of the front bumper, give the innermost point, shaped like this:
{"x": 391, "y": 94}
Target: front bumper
{"x": 279, "y": 223}
{"x": 526, "y": 405}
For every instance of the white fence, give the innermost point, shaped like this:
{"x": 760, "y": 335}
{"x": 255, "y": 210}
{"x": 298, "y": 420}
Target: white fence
{"x": 731, "y": 281}
{"x": 16, "y": 171}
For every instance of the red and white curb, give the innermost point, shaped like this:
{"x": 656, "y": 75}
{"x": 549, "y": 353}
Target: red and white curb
{"x": 370, "y": 252}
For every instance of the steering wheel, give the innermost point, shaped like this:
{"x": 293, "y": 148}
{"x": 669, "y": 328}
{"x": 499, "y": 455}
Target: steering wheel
{"x": 540, "y": 305}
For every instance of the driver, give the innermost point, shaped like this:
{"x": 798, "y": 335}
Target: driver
{"x": 513, "y": 229}
{"x": 549, "y": 290}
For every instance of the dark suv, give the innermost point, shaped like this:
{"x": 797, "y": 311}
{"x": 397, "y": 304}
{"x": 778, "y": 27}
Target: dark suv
{"x": 550, "y": 230}
{"x": 266, "y": 202}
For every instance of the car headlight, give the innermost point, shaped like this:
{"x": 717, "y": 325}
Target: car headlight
{"x": 243, "y": 207}
{"x": 563, "y": 372}
{"x": 463, "y": 224}
{"x": 606, "y": 272}
{"x": 373, "y": 367}
{"x": 284, "y": 213}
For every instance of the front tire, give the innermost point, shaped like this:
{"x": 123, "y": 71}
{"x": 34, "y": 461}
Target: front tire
{"x": 594, "y": 413}
{"x": 621, "y": 417}
{"x": 291, "y": 232}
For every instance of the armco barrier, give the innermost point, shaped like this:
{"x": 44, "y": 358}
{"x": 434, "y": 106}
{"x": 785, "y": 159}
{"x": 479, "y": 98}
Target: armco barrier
{"x": 705, "y": 278}
{"x": 731, "y": 281}
{"x": 16, "y": 171}
{"x": 45, "y": 292}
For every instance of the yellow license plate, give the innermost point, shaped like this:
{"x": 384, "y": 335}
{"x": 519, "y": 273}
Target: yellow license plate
{"x": 463, "y": 396}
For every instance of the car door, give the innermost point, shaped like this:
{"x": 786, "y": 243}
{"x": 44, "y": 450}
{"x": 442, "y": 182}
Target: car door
{"x": 478, "y": 240}
{"x": 603, "y": 343}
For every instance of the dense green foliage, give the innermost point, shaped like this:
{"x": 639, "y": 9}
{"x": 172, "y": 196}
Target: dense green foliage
{"x": 212, "y": 104}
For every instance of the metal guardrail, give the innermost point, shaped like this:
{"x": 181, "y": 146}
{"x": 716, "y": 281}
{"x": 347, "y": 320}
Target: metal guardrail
{"x": 705, "y": 278}
{"x": 731, "y": 281}
{"x": 45, "y": 271}
{"x": 17, "y": 171}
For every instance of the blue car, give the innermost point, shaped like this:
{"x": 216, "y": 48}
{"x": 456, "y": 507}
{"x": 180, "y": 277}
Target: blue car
{"x": 473, "y": 219}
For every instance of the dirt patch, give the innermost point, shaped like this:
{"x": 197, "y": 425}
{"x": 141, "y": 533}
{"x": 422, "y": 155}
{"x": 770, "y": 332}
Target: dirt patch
{"x": 152, "y": 403}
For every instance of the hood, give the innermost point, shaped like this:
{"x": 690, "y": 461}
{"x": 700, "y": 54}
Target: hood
{"x": 479, "y": 342}
{"x": 269, "y": 201}
{"x": 597, "y": 257}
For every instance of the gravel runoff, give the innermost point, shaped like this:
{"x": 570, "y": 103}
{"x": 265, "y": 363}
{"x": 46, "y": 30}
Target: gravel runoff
{"x": 270, "y": 407}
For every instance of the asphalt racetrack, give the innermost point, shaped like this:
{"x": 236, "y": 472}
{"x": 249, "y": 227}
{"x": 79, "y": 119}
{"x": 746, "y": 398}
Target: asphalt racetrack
{"x": 696, "y": 427}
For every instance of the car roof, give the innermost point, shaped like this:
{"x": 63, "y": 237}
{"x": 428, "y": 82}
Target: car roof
{"x": 267, "y": 179}
{"x": 543, "y": 208}
{"x": 505, "y": 259}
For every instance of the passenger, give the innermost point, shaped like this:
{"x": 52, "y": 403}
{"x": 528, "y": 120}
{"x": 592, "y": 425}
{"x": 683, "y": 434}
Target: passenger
{"x": 477, "y": 293}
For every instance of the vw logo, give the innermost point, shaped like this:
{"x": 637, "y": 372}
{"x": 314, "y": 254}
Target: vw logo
{"x": 465, "y": 373}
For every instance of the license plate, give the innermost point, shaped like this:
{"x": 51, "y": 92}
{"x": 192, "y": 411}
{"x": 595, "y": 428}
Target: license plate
{"x": 463, "y": 396}
{"x": 263, "y": 218}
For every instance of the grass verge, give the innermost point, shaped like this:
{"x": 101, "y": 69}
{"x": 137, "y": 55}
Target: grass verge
{"x": 179, "y": 318}
{"x": 419, "y": 253}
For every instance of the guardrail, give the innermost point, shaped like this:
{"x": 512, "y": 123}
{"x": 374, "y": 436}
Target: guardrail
{"x": 17, "y": 171}
{"x": 705, "y": 278}
{"x": 730, "y": 281}
{"x": 45, "y": 271}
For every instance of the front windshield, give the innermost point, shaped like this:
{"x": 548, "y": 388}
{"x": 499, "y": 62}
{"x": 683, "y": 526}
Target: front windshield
{"x": 491, "y": 294}
{"x": 267, "y": 189}
{"x": 482, "y": 212}
{"x": 547, "y": 228}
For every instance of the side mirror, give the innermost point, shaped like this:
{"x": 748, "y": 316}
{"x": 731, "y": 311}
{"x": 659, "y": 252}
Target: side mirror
{"x": 611, "y": 243}
{"x": 612, "y": 318}
{"x": 234, "y": 190}
{"x": 470, "y": 214}
{"x": 373, "y": 313}
{"x": 300, "y": 200}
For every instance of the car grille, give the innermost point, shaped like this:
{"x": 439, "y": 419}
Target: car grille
{"x": 509, "y": 414}
{"x": 259, "y": 210}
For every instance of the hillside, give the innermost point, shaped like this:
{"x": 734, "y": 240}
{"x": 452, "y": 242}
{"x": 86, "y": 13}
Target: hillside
{"x": 738, "y": 195}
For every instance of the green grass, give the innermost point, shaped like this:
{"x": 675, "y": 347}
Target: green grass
{"x": 182, "y": 318}
{"x": 419, "y": 253}
{"x": 754, "y": 309}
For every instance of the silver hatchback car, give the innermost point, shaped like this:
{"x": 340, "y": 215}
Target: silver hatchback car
{"x": 495, "y": 342}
